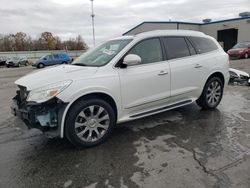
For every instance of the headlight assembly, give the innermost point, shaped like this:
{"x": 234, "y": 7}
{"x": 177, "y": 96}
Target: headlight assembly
{"x": 47, "y": 92}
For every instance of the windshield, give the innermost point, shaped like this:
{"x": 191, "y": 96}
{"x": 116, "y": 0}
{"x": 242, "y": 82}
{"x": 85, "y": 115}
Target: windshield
{"x": 46, "y": 57}
{"x": 102, "y": 54}
{"x": 240, "y": 45}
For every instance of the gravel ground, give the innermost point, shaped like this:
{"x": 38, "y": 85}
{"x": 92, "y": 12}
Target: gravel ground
{"x": 185, "y": 147}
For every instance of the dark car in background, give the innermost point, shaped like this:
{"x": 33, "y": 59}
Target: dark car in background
{"x": 16, "y": 62}
{"x": 2, "y": 61}
{"x": 240, "y": 50}
{"x": 52, "y": 59}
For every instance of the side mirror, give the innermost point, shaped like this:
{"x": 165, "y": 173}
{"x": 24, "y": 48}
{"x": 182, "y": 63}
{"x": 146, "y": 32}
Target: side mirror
{"x": 132, "y": 59}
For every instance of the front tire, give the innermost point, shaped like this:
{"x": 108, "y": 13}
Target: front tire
{"x": 211, "y": 94}
{"x": 40, "y": 65}
{"x": 89, "y": 122}
{"x": 246, "y": 55}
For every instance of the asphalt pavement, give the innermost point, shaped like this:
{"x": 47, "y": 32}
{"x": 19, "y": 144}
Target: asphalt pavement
{"x": 185, "y": 147}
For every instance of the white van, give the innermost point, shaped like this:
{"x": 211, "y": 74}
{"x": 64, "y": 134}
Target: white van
{"x": 121, "y": 80}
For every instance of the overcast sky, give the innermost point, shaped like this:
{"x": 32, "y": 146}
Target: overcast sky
{"x": 68, "y": 18}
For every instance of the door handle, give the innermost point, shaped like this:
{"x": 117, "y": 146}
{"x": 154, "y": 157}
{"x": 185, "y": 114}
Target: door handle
{"x": 197, "y": 66}
{"x": 163, "y": 72}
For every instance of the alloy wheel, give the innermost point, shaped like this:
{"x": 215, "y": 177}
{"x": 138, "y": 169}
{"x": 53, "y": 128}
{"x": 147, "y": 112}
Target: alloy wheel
{"x": 92, "y": 123}
{"x": 214, "y": 93}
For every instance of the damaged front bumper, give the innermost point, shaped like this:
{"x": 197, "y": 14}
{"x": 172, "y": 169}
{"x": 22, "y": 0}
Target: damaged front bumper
{"x": 239, "y": 76}
{"x": 44, "y": 116}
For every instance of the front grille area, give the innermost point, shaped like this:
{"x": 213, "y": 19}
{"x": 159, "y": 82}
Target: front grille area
{"x": 234, "y": 55}
{"x": 244, "y": 77}
{"x": 22, "y": 95}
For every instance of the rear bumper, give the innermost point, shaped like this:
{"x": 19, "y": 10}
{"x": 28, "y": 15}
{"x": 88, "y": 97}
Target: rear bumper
{"x": 45, "y": 116}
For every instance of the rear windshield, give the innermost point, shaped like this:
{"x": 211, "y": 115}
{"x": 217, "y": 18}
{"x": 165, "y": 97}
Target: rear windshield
{"x": 241, "y": 45}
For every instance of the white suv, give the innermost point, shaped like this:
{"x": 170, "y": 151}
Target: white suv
{"x": 121, "y": 80}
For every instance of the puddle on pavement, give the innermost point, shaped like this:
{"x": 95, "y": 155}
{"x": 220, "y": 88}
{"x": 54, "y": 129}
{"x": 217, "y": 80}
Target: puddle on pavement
{"x": 164, "y": 165}
{"x": 236, "y": 109}
{"x": 226, "y": 141}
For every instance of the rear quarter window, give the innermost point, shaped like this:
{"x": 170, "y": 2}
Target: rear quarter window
{"x": 63, "y": 56}
{"x": 203, "y": 45}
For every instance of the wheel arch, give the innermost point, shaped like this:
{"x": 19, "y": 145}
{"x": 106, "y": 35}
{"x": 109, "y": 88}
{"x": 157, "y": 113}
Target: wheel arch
{"x": 217, "y": 74}
{"x": 102, "y": 95}
{"x": 213, "y": 74}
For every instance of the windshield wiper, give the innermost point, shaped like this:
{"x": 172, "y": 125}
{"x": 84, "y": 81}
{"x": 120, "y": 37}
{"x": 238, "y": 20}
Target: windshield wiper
{"x": 79, "y": 64}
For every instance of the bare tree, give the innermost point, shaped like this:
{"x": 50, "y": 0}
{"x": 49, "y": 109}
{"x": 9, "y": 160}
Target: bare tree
{"x": 21, "y": 41}
{"x": 46, "y": 41}
{"x": 80, "y": 44}
{"x": 58, "y": 43}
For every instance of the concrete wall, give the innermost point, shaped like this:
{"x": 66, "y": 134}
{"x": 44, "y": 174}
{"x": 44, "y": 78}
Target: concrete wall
{"x": 152, "y": 26}
{"x": 190, "y": 27}
{"x": 243, "y": 27}
{"x": 163, "y": 26}
{"x": 33, "y": 55}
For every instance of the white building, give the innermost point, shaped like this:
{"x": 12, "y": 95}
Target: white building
{"x": 227, "y": 32}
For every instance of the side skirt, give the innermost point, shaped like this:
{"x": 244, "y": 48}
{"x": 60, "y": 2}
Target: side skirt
{"x": 161, "y": 109}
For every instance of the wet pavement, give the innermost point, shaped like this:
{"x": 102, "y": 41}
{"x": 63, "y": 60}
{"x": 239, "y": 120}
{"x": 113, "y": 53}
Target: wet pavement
{"x": 185, "y": 147}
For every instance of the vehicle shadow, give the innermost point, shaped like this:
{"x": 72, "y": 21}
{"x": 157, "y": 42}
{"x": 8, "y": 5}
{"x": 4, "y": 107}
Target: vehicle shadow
{"x": 52, "y": 162}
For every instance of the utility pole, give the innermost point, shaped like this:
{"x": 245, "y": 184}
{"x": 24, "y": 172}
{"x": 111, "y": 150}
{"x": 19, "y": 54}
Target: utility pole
{"x": 93, "y": 20}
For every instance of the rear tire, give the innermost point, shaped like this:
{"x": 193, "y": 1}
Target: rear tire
{"x": 246, "y": 55}
{"x": 212, "y": 94}
{"x": 89, "y": 122}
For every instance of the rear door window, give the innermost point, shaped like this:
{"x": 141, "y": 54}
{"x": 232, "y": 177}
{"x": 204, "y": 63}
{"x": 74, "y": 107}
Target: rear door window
{"x": 203, "y": 45}
{"x": 56, "y": 56}
{"x": 176, "y": 47}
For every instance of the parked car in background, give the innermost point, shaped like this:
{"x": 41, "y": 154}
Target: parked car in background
{"x": 16, "y": 62}
{"x": 240, "y": 50}
{"x": 52, "y": 59}
{"x": 2, "y": 61}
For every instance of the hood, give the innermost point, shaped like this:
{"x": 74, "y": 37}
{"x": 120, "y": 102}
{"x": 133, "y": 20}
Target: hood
{"x": 55, "y": 74}
{"x": 37, "y": 61}
{"x": 239, "y": 72}
{"x": 12, "y": 60}
{"x": 236, "y": 49}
